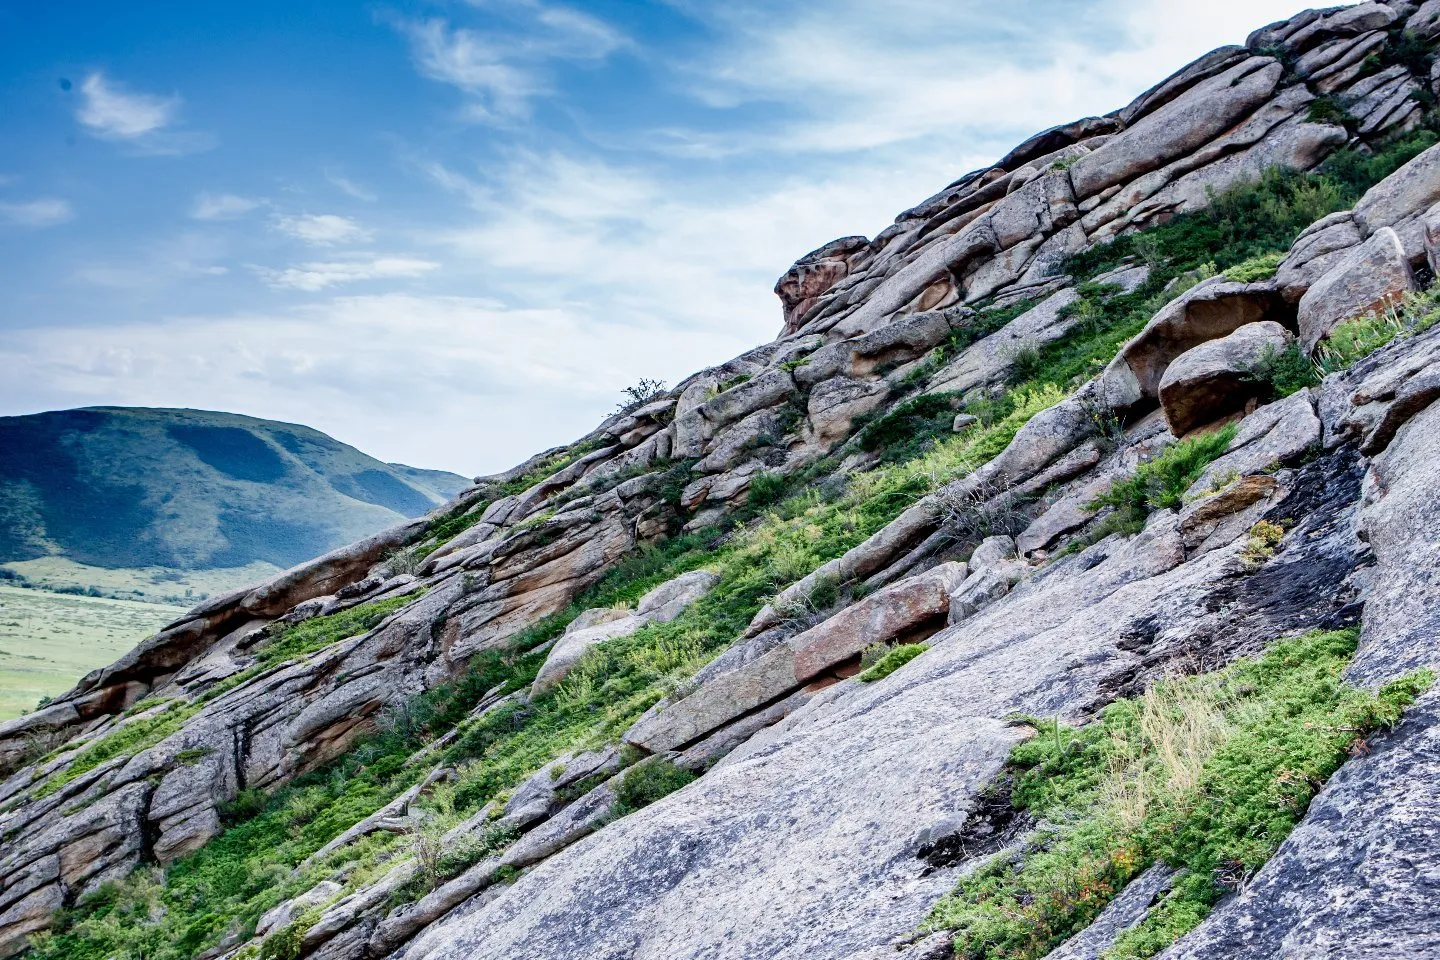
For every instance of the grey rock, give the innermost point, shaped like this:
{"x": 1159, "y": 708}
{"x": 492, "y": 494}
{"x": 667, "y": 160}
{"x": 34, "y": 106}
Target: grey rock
{"x": 1274, "y": 434}
{"x": 1179, "y": 127}
{"x": 1216, "y": 379}
{"x": 1374, "y": 275}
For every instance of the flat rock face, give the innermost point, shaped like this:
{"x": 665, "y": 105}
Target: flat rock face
{"x": 1371, "y": 278}
{"x": 772, "y": 840}
{"x": 1217, "y": 378}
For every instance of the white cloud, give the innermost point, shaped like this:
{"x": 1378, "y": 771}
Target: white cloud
{"x": 502, "y": 70}
{"x": 43, "y": 212}
{"x": 350, "y": 187}
{"x": 221, "y": 206}
{"x": 852, "y": 75}
{"x": 313, "y": 277}
{"x": 323, "y": 229}
{"x": 402, "y": 377}
{"x": 111, "y": 113}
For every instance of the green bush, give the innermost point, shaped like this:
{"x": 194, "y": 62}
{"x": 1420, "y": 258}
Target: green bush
{"x": 1160, "y": 484}
{"x": 1257, "y": 268}
{"x": 893, "y": 660}
{"x": 766, "y": 489}
{"x": 1286, "y": 371}
{"x": 648, "y": 782}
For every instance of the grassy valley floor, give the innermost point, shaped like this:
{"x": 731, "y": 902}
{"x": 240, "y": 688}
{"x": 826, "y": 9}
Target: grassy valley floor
{"x": 50, "y": 640}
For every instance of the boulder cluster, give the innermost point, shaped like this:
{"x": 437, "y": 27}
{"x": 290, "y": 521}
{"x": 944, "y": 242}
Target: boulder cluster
{"x": 816, "y": 792}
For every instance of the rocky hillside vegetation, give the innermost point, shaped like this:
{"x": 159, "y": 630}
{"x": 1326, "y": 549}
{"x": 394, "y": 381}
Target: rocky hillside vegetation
{"x": 108, "y": 488}
{"x": 1061, "y": 583}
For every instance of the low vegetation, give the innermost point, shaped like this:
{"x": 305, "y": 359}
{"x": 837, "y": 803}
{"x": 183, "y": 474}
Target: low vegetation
{"x": 892, "y": 659}
{"x": 1357, "y": 338}
{"x": 1160, "y": 483}
{"x": 1206, "y": 774}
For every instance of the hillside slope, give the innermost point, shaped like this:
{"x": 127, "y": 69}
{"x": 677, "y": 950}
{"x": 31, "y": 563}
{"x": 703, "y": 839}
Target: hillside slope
{"x": 124, "y": 487}
{"x": 1060, "y": 584}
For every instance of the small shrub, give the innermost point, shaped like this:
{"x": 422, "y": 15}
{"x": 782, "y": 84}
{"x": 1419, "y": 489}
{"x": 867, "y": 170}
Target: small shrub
{"x": 646, "y": 783}
{"x": 1025, "y": 363}
{"x": 1160, "y": 484}
{"x": 1264, "y": 538}
{"x": 646, "y": 391}
{"x": 988, "y": 509}
{"x": 893, "y": 659}
{"x": 1257, "y": 268}
{"x": 1287, "y": 371}
{"x": 406, "y": 561}
{"x": 1329, "y": 109}
{"x": 766, "y": 489}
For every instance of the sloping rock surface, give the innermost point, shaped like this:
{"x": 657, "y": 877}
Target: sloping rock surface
{"x": 816, "y": 795}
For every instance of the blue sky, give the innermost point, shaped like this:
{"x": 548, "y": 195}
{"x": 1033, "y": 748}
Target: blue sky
{"x": 450, "y": 232}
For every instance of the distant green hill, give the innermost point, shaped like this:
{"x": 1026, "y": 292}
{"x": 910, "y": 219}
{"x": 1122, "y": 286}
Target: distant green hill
{"x": 120, "y": 488}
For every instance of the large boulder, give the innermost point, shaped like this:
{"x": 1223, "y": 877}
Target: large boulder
{"x": 1216, "y": 378}
{"x": 1375, "y": 275}
{"x": 1208, "y": 311}
{"x": 1181, "y": 127}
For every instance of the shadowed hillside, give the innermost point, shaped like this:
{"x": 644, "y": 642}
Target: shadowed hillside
{"x": 117, "y": 487}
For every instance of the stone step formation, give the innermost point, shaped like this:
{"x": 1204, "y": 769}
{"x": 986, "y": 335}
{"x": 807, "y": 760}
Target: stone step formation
{"x": 1022, "y": 453}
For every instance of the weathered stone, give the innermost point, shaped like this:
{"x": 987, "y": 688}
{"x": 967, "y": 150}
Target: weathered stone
{"x": 1274, "y": 434}
{"x": 1425, "y": 22}
{"x": 1178, "y": 128}
{"x": 1319, "y": 249}
{"x": 891, "y": 615}
{"x": 1217, "y": 378}
{"x": 1208, "y": 311}
{"x": 1408, "y": 192}
{"x": 813, "y": 275}
{"x": 1373, "y": 276}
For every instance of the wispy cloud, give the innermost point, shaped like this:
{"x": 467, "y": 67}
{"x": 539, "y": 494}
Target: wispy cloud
{"x": 322, "y": 229}
{"x": 42, "y": 212}
{"x": 349, "y": 187}
{"x": 142, "y": 122}
{"x": 221, "y": 206}
{"x": 362, "y": 367}
{"x": 503, "y": 68}
{"x": 314, "y": 277}
{"x": 110, "y": 112}
{"x": 846, "y": 76}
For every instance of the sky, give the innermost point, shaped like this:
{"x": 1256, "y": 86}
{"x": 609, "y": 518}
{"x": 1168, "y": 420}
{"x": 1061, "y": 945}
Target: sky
{"x": 450, "y": 232}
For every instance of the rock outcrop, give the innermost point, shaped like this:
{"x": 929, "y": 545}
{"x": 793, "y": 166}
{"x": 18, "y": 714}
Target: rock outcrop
{"x": 888, "y": 479}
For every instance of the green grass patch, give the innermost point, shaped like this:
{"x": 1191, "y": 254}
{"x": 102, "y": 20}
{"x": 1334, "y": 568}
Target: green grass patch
{"x": 1160, "y": 484}
{"x": 317, "y": 633}
{"x": 1357, "y": 338}
{"x": 645, "y": 783}
{"x": 1257, "y": 268}
{"x": 893, "y": 659}
{"x": 1207, "y": 774}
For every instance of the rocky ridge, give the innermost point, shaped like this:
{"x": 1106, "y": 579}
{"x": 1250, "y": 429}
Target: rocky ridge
{"x": 813, "y": 795}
